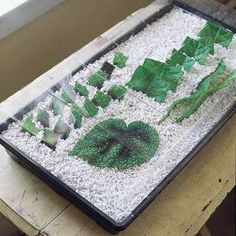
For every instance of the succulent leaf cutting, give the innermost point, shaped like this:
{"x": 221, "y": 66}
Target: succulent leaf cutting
{"x": 208, "y": 86}
{"x": 114, "y": 144}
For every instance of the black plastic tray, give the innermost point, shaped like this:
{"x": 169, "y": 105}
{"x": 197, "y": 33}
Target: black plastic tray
{"x": 101, "y": 218}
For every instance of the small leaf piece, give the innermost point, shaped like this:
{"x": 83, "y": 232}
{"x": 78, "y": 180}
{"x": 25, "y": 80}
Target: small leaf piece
{"x": 101, "y": 99}
{"x": 113, "y": 144}
{"x": 120, "y": 59}
{"x": 50, "y": 138}
{"x": 117, "y": 91}
{"x": 43, "y": 117}
{"x": 97, "y": 79}
{"x": 77, "y": 116}
{"x": 57, "y": 106}
{"x": 68, "y": 94}
{"x": 82, "y": 90}
{"x": 91, "y": 109}
{"x": 196, "y": 49}
{"x": 29, "y": 126}
{"x": 216, "y": 34}
{"x": 62, "y": 129}
{"x": 107, "y": 68}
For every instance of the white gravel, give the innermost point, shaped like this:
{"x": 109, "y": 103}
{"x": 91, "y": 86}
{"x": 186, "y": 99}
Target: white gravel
{"x": 117, "y": 193}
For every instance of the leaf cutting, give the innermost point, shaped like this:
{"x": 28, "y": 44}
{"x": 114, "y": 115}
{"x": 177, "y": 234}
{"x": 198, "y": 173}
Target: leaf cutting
{"x": 155, "y": 79}
{"x": 113, "y": 144}
{"x": 216, "y": 34}
{"x": 186, "y": 106}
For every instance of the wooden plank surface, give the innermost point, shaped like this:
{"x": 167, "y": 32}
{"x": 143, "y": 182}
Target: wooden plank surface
{"x": 181, "y": 209}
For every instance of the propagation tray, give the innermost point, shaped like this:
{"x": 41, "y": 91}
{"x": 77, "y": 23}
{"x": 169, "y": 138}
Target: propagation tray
{"x": 100, "y": 217}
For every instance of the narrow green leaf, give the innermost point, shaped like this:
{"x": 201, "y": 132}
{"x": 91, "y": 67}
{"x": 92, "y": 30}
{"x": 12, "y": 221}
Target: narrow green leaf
{"x": 185, "y": 107}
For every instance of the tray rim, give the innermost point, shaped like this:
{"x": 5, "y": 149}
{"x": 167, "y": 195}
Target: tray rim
{"x": 107, "y": 222}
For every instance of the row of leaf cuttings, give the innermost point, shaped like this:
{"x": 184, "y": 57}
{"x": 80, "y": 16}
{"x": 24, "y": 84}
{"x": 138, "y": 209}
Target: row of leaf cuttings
{"x": 67, "y": 98}
{"x": 155, "y": 78}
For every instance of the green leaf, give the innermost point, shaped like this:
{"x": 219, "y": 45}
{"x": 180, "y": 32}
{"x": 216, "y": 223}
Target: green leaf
{"x": 77, "y": 116}
{"x": 117, "y": 91}
{"x": 101, "y": 99}
{"x": 82, "y": 90}
{"x": 62, "y": 129}
{"x": 43, "y": 117}
{"x": 98, "y": 78}
{"x": 68, "y": 94}
{"x": 216, "y": 34}
{"x": 178, "y": 58}
{"x": 57, "y": 106}
{"x": 113, "y": 144}
{"x": 166, "y": 72}
{"x": 50, "y": 138}
{"x": 91, "y": 109}
{"x": 29, "y": 126}
{"x": 185, "y": 107}
{"x": 155, "y": 79}
{"x": 212, "y": 81}
{"x": 196, "y": 49}
{"x": 120, "y": 59}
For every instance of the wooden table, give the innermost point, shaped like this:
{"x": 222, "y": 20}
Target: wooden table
{"x": 183, "y": 206}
